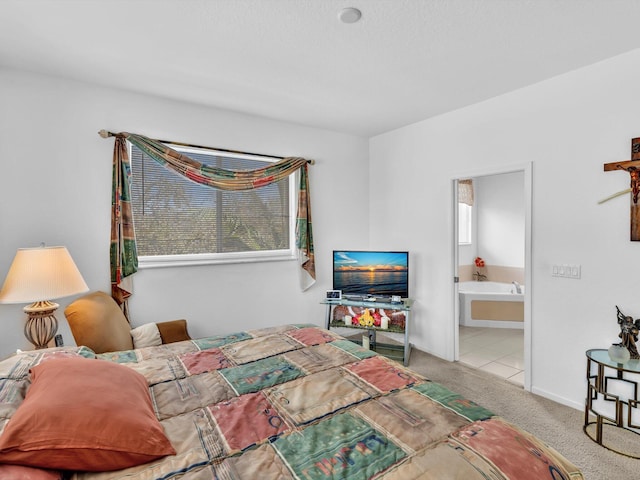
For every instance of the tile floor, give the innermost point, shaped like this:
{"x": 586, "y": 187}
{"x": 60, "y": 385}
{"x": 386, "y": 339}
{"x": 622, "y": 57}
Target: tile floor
{"x": 496, "y": 350}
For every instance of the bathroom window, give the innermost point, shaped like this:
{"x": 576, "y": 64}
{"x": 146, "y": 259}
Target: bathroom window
{"x": 465, "y": 210}
{"x": 465, "y": 215}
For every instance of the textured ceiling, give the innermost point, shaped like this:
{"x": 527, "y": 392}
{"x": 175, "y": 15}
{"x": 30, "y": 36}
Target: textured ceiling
{"x": 406, "y": 60}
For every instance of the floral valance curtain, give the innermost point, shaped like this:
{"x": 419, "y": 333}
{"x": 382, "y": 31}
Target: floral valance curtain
{"x": 235, "y": 180}
{"x": 465, "y": 191}
{"x": 123, "y": 248}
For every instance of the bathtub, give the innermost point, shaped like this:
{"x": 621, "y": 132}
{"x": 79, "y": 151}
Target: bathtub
{"x": 491, "y": 304}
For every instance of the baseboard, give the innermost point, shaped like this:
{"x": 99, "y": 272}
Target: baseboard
{"x": 557, "y": 399}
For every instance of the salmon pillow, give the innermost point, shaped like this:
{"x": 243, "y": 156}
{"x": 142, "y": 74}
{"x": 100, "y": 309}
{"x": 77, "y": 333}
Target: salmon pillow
{"x": 84, "y": 414}
{"x": 19, "y": 472}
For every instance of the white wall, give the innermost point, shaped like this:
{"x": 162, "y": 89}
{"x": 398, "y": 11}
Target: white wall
{"x": 55, "y": 182}
{"x": 568, "y": 127}
{"x": 499, "y": 201}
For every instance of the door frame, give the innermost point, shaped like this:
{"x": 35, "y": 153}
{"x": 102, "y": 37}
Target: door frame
{"x": 527, "y": 169}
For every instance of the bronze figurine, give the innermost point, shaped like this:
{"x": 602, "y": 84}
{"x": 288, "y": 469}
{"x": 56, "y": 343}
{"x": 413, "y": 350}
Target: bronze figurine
{"x": 629, "y": 330}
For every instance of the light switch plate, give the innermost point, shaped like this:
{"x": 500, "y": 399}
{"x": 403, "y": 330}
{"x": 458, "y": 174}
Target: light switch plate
{"x": 566, "y": 271}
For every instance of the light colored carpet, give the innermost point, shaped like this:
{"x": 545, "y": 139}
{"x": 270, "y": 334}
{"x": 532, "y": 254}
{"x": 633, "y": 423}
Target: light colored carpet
{"x": 557, "y": 425}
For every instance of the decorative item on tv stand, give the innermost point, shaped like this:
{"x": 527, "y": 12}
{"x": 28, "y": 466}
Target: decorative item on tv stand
{"x": 365, "y": 317}
{"x": 627, "y": 349}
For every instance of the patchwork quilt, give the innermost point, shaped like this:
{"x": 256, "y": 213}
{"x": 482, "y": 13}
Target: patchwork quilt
{"x": 301, "y": 402}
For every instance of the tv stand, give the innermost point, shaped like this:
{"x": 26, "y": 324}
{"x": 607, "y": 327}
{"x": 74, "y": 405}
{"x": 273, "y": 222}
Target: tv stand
{"x": 396, "y": 352}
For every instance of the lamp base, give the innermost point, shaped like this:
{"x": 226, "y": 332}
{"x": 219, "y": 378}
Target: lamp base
{"x": 42, "y": 324}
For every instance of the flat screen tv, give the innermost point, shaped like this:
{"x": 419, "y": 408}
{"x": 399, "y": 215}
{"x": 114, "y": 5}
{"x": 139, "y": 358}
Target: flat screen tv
{"x": 371, "y": 273}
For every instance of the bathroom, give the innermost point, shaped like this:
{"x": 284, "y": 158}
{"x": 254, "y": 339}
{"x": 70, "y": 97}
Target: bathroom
{"x": 491, "y": 270}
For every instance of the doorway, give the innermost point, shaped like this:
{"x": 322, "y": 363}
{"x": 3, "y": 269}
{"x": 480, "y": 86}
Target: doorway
{"x": 469, "y": 334}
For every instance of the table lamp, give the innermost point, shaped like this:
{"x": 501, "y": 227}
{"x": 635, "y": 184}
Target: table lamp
{"x": 39, "y": 275}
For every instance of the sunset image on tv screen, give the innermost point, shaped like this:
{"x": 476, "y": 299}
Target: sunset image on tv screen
{"x": 371, "y": 273}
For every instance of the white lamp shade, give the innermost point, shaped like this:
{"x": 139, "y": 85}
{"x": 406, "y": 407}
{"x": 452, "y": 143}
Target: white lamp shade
{"x": 43, "y": 273}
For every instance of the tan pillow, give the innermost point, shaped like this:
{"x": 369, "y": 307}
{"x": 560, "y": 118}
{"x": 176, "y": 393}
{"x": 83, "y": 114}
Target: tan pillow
{"x": 97, "y": 322}
{"x": 173, "y": 331}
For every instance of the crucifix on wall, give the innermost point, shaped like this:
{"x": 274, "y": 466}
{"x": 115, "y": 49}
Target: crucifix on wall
{"x": 633, "y": 167}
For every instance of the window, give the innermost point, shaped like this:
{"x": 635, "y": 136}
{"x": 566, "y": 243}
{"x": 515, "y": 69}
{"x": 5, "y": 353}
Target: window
{"x": 465, "y": 214}
{"x": 179, "y": 222}
{"x": 465, "y": 211}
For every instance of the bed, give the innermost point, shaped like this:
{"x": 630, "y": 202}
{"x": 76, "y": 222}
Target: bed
{"x": 288, "y": 402}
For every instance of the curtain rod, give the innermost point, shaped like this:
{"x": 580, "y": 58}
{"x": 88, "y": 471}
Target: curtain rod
{"x": 106, "y": 134}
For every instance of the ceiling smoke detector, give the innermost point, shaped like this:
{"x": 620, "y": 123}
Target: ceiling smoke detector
{"x": 349, "y": 15}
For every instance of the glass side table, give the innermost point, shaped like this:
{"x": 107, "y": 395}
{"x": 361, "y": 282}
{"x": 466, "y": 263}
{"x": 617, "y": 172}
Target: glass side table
{"x": 612, "y": 397}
